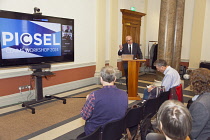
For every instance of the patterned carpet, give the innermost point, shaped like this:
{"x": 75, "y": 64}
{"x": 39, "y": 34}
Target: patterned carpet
{"x": 54, "y": 120}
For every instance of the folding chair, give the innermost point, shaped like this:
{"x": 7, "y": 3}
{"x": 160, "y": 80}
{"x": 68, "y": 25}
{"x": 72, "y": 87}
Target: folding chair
{"x": 179, "y": 92}
{"x": 132, "y": 121}
{"x": 150, "y": 109}
{"x": 96, "y": 135}
{"x": 113, "y": 130}
{"x": 162, "y": 98}
{"x": 176, "y": 93}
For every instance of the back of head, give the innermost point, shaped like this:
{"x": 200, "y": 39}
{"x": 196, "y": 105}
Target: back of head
{"x": 200, "y": 80}
{"x": 160, "y": 62}
{"x": 174, "y": 120}
{"x": 108, "y": 74}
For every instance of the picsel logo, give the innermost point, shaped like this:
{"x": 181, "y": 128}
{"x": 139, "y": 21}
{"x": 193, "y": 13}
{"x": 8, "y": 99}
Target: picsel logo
{"x": 27, "y": 39}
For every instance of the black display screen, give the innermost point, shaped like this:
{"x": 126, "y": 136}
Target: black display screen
{"x": 33, "y": 39}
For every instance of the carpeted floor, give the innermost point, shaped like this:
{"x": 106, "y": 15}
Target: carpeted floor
{"x": 21, "y": 123}
{"x": 55, "y": 120}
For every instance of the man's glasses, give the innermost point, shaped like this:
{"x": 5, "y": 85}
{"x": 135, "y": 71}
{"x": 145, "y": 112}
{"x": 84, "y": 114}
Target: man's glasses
{"x": 129, "y": 40}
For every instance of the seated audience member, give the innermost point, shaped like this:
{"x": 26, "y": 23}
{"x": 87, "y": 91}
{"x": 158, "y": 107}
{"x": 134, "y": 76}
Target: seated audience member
{"x": 170, "y": 80}
{"x": 173, "y": 120}
{"x": 200, "y": 108}
{"x": 106, "y": 104}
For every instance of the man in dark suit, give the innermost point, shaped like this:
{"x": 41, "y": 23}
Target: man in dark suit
{"x": 129, "y": 48}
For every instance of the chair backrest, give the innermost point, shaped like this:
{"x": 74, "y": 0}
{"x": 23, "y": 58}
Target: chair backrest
{"x": 96, "y": 135}
{"x": 162, "y": 98}
{"x": 133, "y": 117}
{"x": 113, "y": 130}
{"x": 176, "y": 93}
{"x": 150, "y": 107}
{"x": 179, "y": 92}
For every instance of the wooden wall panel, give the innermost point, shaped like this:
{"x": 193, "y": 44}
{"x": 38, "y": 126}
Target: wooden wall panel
{"x": 10, "y": 85}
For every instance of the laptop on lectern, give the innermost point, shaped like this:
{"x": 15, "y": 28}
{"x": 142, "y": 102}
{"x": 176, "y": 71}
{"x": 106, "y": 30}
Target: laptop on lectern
{"x": 127, "y": 56}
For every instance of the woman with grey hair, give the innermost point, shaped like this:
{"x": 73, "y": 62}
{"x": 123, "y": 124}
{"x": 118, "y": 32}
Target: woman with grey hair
{"x": 174, "y": 121}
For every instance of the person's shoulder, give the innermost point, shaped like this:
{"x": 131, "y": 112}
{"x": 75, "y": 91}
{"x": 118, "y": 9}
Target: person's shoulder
{"x": 201, "y": 102}
{"x": 136, "y": 44}
{"x": 204, "y": 99}
{"x": 120, "y": 90}
{"x": 97, "y": 91}
{"x": 104, "y": 89}
{"x": 125, "y": 44}
{"x": 169, "y": 69}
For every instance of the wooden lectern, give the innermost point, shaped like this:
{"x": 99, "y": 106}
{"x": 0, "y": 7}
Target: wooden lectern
{"x": 133, "y": 74}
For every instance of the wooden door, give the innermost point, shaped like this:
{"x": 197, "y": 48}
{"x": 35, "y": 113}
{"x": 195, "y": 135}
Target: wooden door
{"x": 133, "y": 30}
{"x": 131, "y": 21}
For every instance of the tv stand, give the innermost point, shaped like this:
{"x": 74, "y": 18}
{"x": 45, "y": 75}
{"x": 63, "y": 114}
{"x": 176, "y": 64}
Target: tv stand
{"x": 38, "y": 73}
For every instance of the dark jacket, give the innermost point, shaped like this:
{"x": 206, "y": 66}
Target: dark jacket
{"x": 200, "y": 111}
{"x": 136, "y": 51}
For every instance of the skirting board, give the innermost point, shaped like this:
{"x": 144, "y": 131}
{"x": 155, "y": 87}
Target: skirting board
{"x": 29, "y": 95}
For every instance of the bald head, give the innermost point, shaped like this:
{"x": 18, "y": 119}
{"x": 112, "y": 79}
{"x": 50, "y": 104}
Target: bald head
{"x": 129, "y": 39}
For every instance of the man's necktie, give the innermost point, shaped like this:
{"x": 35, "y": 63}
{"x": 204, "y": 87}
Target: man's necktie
{"x": 129, "y": 47}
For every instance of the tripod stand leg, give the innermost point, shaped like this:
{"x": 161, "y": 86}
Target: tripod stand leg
{"x": 59, "y": 98}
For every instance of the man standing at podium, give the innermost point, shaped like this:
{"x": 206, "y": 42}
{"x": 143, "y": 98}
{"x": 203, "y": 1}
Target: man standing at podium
{"x": 129, "y": 48}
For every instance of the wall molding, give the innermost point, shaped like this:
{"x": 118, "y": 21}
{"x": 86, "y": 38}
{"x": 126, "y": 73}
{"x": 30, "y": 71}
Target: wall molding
{"x": 23, "y": 71}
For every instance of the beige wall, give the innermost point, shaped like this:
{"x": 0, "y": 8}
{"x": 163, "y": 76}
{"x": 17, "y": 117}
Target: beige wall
{"x": 98, "y": 30}
{"x": 197, "y": 34}
{"x": 206, "y": 39}
{"x": 152, "y": 23}
{"x": 84, "y": 15}
{"x": 188, "y": 51}
{"x": 187, "y": 29}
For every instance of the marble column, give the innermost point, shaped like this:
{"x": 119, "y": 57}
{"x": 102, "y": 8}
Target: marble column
{"x": 176, "y": 58}
{"x": 166, "y": 31}
{"x": 170, "y": 32}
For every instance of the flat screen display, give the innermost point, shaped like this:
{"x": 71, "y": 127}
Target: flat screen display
{"x": 32, "y": 39}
